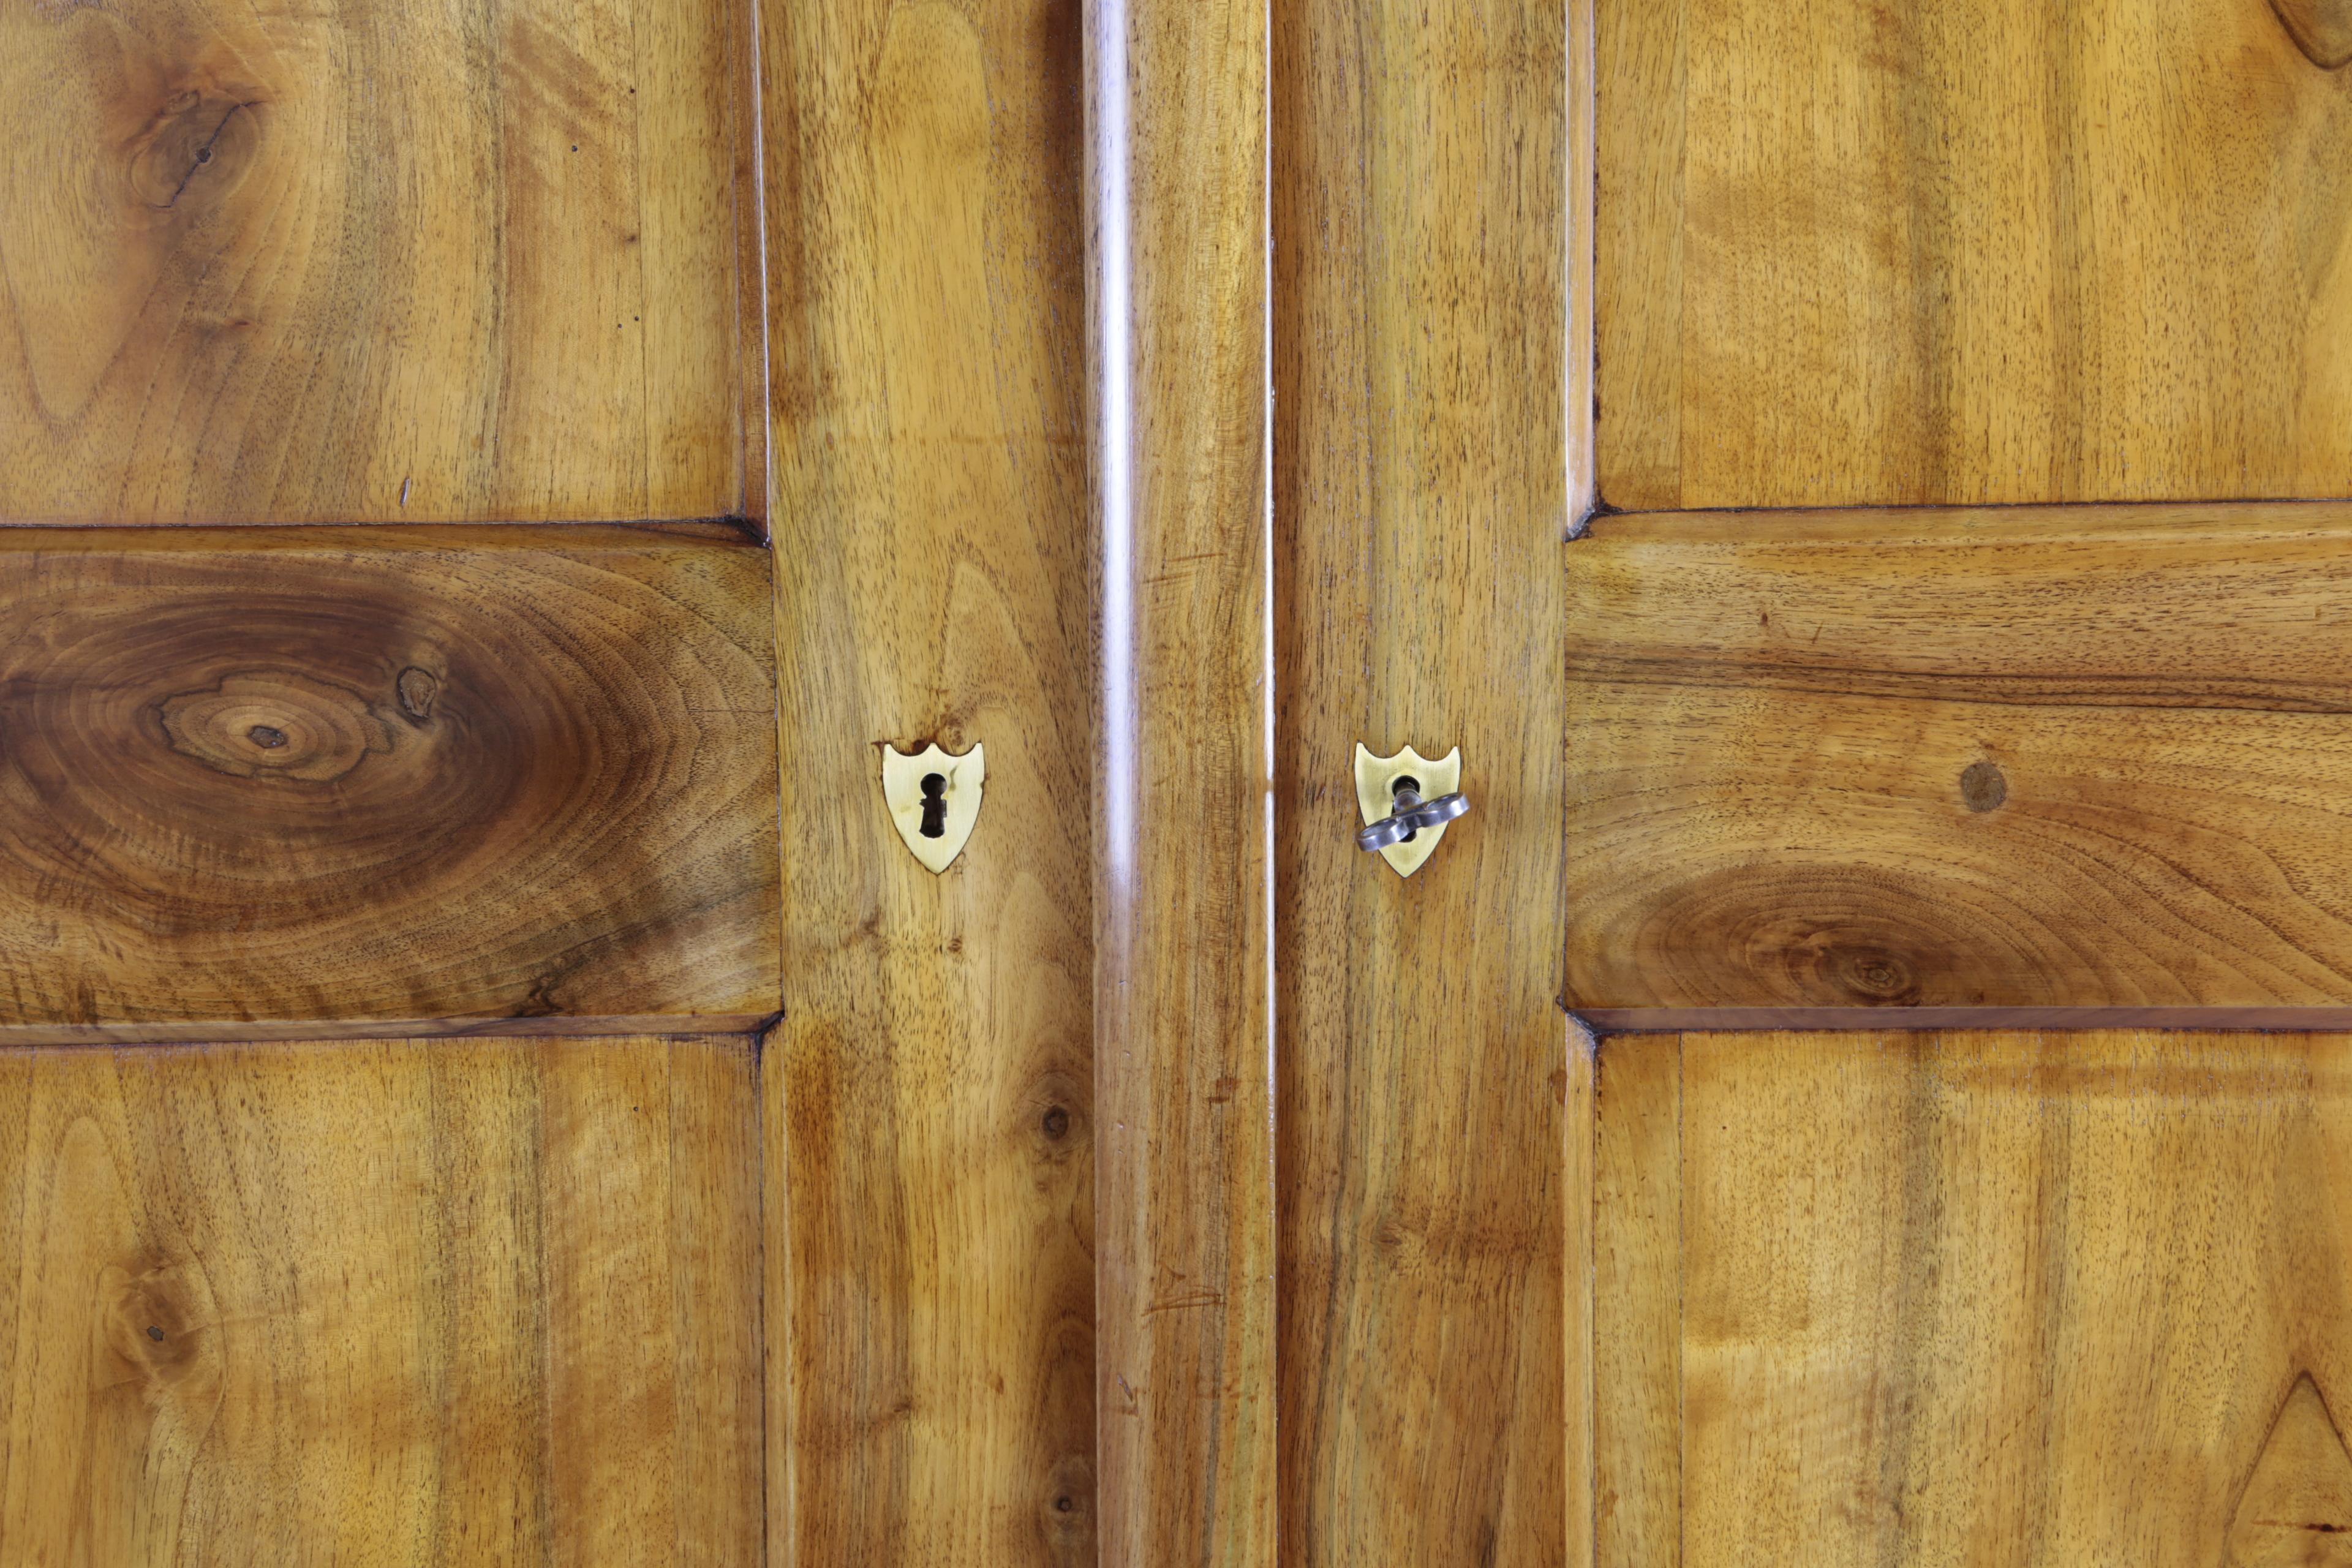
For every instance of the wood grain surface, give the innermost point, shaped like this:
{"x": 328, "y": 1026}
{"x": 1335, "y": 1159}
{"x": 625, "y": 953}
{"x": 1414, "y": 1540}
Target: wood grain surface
{"x": 383, "y": 776}
{"x": 1989, "y": 250}
{"x": 2015, "y": 1297}
{"x": 421, "y": 262}
{"x": 1422, "y": 481}
{"x": 2019, "y": 758}
{"x": 409, "y": 1302}
{"x": 1178, "y": 325}
{"x": 928, "y": 1097}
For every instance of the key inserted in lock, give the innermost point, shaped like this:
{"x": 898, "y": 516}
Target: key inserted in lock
{"x": 1406, "y": 800}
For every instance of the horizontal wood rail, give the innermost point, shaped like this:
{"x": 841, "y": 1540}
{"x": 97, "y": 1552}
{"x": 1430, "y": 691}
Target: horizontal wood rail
{"x": 1679, "y": 1020}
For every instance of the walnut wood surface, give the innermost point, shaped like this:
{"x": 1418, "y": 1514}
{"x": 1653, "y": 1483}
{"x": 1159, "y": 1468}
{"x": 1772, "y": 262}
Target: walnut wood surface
{"x": 928, "y": 1097}
{"x": 414, "y": 1302}
{"x": 384, "y": 777}
{"x": 1422, "y": 475}
{"x": 415, "y": 261}
{"x": 1185, "y": 1245}
{"x": 1963, "y": 251}
{"x": 1911, "y": 1298}
{"x": 2023, "y": 758}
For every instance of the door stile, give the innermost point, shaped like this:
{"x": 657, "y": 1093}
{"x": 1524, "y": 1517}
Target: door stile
{"x": 927, "y": 1097}
{"x": 1432, "y": 455}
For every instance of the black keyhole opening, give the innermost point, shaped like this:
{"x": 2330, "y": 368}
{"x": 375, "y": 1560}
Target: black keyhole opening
{"x": 935, "y": 806}
{"x": 1398, "y": 788}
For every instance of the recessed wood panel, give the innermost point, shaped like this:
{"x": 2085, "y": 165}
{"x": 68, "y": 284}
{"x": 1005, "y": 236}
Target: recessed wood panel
{"x": 407, "y": 1302}
{"x": 1991, "y": 250}
{"x": 285, "y": 777}
{"x": 417, "y": 262}
{"x": 930, "y": 1093}
{"x": 2021, "y": 758}
{"x": 2013, "y": 1298}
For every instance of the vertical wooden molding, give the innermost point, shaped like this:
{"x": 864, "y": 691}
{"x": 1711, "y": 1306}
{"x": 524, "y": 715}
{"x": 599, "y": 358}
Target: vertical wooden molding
{"x": 1176, "y": 95}
{"x": 1582, "y": 1133}
{"x": 927, "y": 1097}
{"x": 1579, "y": 1116}
{"x": 755, "y": 462}
{"x": 1583, "y": 414}
{"x": 1424, "y": 446}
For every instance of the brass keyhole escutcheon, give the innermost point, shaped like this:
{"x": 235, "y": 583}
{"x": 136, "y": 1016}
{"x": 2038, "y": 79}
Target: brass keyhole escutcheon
{"x": 934, "y": 799}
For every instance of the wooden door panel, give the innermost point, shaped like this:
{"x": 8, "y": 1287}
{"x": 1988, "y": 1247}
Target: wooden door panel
{"x": 418, "y": 261}
{"x": 398, "y": 1302}
{"x": 290, "y": 777}
{"x": 1991, "y": 251}
{"x": 2030, "y": 758}
{"x": 1980, "y": 1298}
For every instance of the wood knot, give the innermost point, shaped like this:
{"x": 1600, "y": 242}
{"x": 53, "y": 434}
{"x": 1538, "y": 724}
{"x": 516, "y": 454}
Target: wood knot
{"x": 195, "y": 146}
{"x": 417, "y": 689}
{"x": 1873, "y": 976}
{"x": 157, "y": 1315}
{"x": 1982, "y": 788}
{"x": 275, "y": 725}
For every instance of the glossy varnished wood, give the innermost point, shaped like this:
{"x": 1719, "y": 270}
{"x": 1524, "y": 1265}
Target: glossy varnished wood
{"x": 417, "y": 262}
{"x": 1176, "y": 105}
{"x": 2023, "y": 758}
{"x": 379, "y": 776}
{"x": 2027, "y": 1298}
{"x": 409, "y": 1302}
{"x": 928, "y": 1097}
{"x": 1996, "y": 250}
{"x": 1423, "y": 481}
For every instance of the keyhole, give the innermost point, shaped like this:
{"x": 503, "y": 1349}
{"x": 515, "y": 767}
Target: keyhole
{"x": 1398, "y": 788}
{"x": 935, "y": 806}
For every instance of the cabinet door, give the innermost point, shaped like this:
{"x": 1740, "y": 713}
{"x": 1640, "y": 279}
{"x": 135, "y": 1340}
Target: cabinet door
{"x": 389, "y": 859}
{"x": 1956, "y": 728}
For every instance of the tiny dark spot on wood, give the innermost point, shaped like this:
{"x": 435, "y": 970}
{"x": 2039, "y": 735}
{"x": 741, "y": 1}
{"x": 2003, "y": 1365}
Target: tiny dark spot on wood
{"x": 1064, "y": 1505}
{"x": 1058, "y": 1122}
{"x": 156, "y": 1334}
{"x": 417, "y": 689}
{"x": 269, "y": 737}
{"x": 1982, "y": 788}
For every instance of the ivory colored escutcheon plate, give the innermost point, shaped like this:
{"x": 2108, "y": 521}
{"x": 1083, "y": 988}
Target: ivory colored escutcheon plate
{"x": 1376, "y": 780}
{"x": 902, "y": 789}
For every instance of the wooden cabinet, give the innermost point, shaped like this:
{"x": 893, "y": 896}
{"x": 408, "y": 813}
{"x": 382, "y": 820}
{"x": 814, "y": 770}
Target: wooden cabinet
{"x": 1864, "y": 489}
